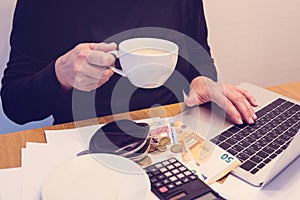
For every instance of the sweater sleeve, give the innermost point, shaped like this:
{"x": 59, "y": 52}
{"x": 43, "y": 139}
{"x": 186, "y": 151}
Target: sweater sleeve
{"x": 30, "y": 89}
{"x": 27, "y": 94}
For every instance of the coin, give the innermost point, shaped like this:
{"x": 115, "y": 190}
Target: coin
{"x": 183, "y": 126}
{"x": 178, "y": 131}
{"x": 154, "y": 140}
{"x": 161, "y": 148}
{"x": 177, "y": 124}
{"x": 152, "y": 147}
{"x": 145, "y": 162}
{"x": 176, "y": 148}
{"x": 156, "y": 152}
{"x": 164, "y": 141}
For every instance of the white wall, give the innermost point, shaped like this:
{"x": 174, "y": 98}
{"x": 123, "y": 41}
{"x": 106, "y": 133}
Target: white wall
{"x": 257, "y": 41}
{"x": 6, "y": 15}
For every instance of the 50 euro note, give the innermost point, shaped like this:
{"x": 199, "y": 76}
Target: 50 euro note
{"x": 210, "y": 161}
{"x": 201, "y": 156}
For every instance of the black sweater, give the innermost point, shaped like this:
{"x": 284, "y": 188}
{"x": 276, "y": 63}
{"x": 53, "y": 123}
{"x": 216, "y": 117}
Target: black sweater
{"x": 44, "y": 30}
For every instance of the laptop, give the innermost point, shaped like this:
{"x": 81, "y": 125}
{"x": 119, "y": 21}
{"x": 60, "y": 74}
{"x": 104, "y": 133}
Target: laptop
{"x": 268, "y": 146}
{"x": 264, "y": 148}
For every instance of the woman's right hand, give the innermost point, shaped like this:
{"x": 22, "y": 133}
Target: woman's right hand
{"x": 85, "y": 66}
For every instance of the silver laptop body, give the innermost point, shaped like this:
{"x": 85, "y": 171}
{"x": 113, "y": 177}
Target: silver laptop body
{"x": 212, "y": 123}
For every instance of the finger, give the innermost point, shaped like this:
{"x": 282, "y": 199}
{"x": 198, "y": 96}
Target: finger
{"x": 233, "y": 113}
{"x": 100, "y": 58}
{"x": 82, "y": 84}
{"x": 245, "y": 110}
{"x": 106, "y": 75}
{"x": 199, "y": 92}
{"x": 87, "y": 72}
{"x": 250, "y": 97}
{"x": 199, "y": 97}
{"x": 192, "y": 99}
{"x": 228, "y": 107}
{"x": 100, "y": 73}
{"x": 104, "y": 79}
{"x": 87, "y": 83}
{"x": 91, "y": 70}
{"x": 105, "y": 47}
{"x": 242, "y": 105}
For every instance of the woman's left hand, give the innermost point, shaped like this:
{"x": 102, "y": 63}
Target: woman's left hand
{"x": 236, "y": 102}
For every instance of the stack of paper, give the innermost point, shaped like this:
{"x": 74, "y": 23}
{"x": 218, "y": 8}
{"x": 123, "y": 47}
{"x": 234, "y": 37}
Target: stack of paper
{"x": 39, "y": 159}
{"x": 10, "y": 184}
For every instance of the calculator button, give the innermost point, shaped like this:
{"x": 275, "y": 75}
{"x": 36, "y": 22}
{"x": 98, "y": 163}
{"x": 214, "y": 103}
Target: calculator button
{"x": 173, "y": 178}
{"x": 151, "y": 168}
{"x": 180, "y": 176}
{"x": 182, "y": 168}
{"x": 163, "y": 169}
{"x": 163, "y": 189}
{"x": 155, "y": 171}
{"x": 187, "y": 173}
{"x": 153, "y": 180}
{"x": 177, "y": 164}
{"x": 167, "y": 174}
{"x": 150, "y": 174}
{"x": 166, "y": 181}
{"x": 158, "y": 184}
{"x": 177, "y": 183}
{"x": 159, "y": 165}
{"x": 185, "y": 180}
{"x": 193, "y": 177}
{"x": 161, "y": 176}
{"x": 166, "y": 163}
{"x": 171, "y": 186}
{"x": 170, "y": 167}
{"x": 175, "y": 171}
{"x": 172, "y": 160}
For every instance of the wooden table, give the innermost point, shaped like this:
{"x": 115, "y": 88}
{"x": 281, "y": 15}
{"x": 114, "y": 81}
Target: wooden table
{"x": 11, "y": 144}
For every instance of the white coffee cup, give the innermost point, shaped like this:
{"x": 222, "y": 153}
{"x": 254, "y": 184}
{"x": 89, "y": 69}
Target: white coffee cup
{"x": 146, "y": 62}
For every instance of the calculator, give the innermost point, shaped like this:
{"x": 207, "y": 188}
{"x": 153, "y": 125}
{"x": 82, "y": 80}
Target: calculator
{"x": 171, "y": 180}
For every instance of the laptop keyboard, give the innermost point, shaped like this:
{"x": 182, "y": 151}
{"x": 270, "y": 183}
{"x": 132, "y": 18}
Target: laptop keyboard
{"x": 257, "y": 144}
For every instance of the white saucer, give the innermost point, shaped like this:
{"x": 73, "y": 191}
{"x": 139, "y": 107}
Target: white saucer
{"x": 97, "y": 176}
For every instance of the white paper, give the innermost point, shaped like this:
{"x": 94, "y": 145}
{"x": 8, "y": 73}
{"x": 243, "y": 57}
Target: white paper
{"x": 23, "y": 151}
{"x": 82, "y": 134}
{"x": 40, "y": 160}
{"x": 10, "y": 184}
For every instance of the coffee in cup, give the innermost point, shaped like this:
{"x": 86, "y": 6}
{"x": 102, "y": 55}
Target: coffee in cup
{"x": 149, "y": 51}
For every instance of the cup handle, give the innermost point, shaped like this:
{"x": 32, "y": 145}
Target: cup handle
{"x": 118, "y": 71}
{"x": 115, "y": 53}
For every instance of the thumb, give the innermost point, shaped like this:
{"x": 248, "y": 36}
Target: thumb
{"x": 192, "y": 99}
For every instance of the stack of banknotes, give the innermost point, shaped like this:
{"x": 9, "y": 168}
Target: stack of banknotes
{"x": 174, "y": 139}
